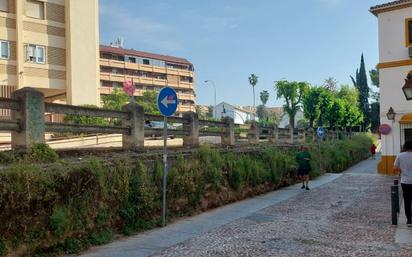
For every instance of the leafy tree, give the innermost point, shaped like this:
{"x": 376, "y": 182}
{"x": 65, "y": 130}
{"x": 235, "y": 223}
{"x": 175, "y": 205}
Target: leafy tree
{"x": 264, "y": 97}
{"x": 361, "y": 83}
{"x": 375, "y": 106}
{"x": 115, "y": 100}
{"x": 374, "y": 75}
{"x": 374, "y": 116}
{"x": 311, "y": 104}
{"x": 210, "y": 112}
{"x": 86, "y": 120}
{"x": 336, "y": 112}
{"x": 292, "y": 92}
{"x": 330, "y": 84}
{"x": 149, "y": 102}
{"x": 262, "y": 112}
{"x": 324, "y": 105}
{"x": 253, "y": 80}
{"x": 202, "y": 115}
{"x": 352, "y": 116}
{"x": 349, "y": 94}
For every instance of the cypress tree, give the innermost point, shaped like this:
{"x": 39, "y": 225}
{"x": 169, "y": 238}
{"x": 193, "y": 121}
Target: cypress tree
{"x": 361, "y": 83}
{"x": 363, "y": 93}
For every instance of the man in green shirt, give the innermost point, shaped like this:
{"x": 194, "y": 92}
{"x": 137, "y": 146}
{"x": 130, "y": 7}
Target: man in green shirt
{"x": 304, "y": 168}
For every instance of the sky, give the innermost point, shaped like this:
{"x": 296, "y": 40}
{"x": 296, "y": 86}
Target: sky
{"x": 227, "y": 40}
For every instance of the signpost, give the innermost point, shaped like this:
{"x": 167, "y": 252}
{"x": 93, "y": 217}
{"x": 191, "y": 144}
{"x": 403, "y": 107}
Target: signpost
{"x": 321, "y": 132}
{"x": 167, "y": 102}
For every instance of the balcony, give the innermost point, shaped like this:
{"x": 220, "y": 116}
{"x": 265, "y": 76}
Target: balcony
{"x": 189, "y": 97}
{"x": 112, "y": 63}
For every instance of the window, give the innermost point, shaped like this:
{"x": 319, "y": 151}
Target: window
{"x": 146, "y": 61}
{"x": 4, "y": 50}
{"x": 4, "y": 5}
{"x": 36, "y": 54}
{"x": 35, "y": 9}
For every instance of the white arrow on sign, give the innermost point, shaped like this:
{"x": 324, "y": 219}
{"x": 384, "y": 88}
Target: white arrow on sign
{"x": 166, "y": 102}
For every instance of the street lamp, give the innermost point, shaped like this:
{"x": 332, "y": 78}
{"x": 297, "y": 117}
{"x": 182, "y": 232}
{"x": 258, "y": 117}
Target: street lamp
{"x": 391, "y": 114}
{"x": 407, "y": 88}
{"x": 214, "y": 86}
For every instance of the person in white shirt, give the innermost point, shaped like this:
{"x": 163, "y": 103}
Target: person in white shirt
{"x": 403, "y": 165}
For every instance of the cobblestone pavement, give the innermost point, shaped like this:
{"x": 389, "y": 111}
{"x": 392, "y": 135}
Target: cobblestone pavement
{"x": 347, "y": 217}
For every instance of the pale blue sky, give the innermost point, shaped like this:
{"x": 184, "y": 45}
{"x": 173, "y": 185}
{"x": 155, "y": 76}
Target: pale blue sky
{"x": 227, "y": 40}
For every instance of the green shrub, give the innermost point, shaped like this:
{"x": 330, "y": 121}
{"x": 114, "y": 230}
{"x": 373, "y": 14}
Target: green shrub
{"x": 43, "y": 153}
{"x": 79, "y": 205}
{"x": 59, "y": 222}
{"x": 72, "y": 245}
{"x": 3, "y": 248}
{"x": 100, "y": 238}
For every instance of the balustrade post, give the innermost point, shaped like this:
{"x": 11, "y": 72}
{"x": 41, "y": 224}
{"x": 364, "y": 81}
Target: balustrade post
{"x": 228, "y": 137}
{"x": 274, "y": 136}
{"x": 191, "y": 126}
{"x": 253, "y": 134}
{"x": 302, "y": 136}
{"x": 135, "y": 139}
{"x": 31, "y": 119}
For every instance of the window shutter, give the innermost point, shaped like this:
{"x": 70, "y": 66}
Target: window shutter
{"x": 35, "y": 9}
{"x": 4, "y": 5}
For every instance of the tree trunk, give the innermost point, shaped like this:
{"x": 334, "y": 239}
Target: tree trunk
{"x": 254, "y": 108}
{"x": 291, "y": 121}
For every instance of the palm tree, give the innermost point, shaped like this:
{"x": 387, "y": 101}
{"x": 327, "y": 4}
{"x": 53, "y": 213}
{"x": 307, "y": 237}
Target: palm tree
{"x": 253, "y": 80}
{"x": 264, "y": 97}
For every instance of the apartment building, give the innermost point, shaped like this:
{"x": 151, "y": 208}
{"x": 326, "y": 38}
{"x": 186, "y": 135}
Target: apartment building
{"x": 395, "y": 67}
{"x": 149, "y": 72}
{"x": 51, "y": 45}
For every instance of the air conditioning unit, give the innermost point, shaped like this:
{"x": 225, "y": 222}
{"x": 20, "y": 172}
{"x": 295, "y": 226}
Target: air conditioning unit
{"x": 410, "y": 52}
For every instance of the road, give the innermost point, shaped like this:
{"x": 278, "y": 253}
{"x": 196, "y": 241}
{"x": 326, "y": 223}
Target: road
{"x": 343, "y": 215}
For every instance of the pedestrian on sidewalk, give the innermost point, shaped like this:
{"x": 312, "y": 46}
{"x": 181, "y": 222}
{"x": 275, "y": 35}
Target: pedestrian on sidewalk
{"x": 403, "y": 165}
{"x": 303, "y": 159}
{"x": 373, "y": 151}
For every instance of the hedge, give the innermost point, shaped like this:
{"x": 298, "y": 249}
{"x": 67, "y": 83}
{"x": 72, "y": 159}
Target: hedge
{"x": 61, "y": 207}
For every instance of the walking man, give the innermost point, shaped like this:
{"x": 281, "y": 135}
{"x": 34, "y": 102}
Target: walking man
{"x": 403, "y": 165}
{"x": 304, "y": 168}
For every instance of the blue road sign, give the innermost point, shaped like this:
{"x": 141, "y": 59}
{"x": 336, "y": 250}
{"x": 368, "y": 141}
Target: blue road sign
{"x": 320, "y": 131}
{"x": 167, "y": 101}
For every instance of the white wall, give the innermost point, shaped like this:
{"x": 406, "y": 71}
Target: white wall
{"x": 392, "y": 35}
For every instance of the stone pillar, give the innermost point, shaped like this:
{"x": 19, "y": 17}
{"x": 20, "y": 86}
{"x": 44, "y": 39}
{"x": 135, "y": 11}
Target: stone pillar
{"x": 228, "y": 137}
{"x": 31, "y": 119}
{"x": 274, "y": 137}
{"x": 192, "y": 127}
{"x": 253, "y": 135}
{"x": 312, "y": 135}
{"x": 302, "y": 136}
{"x": 135, "y": 140}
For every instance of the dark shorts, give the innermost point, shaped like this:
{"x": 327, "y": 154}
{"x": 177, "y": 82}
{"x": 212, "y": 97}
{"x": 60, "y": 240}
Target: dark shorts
{"x": 303, "y": 172}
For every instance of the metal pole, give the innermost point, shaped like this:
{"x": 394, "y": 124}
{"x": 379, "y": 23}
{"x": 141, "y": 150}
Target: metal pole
{"x": 320, "y": 166}
{"x": 214, "y": 109}
{"x": 394, "y": 199}
{"x": 164, "y": 170}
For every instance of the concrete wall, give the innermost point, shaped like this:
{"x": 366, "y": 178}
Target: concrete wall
{"x": 82, "y": 37}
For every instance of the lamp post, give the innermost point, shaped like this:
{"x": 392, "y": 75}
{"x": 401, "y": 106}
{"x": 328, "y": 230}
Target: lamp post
{"x": 214, "y": 87}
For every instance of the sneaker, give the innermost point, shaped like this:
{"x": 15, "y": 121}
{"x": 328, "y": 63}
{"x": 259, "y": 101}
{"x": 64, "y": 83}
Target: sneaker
{"x": 303, "y": 187}
{"x": 307, "y": 188}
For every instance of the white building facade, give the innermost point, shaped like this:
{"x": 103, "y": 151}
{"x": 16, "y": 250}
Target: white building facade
{"x": 395, "y": 63}
{"x": 240, "y": 116}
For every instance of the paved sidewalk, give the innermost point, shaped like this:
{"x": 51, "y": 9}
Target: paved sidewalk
{"x": 155, "y": 240}
{"x": 344, "y": 214}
